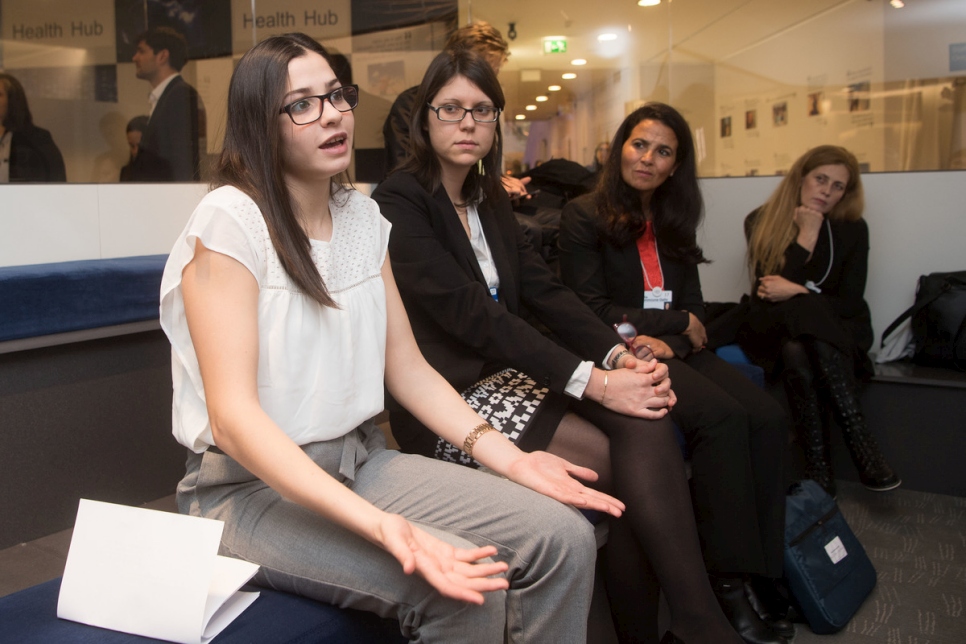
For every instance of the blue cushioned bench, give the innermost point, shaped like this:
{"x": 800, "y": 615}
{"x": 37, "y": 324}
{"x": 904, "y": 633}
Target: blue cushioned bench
{"x": 43, "y": 300}
{"x": 30, "y": 617}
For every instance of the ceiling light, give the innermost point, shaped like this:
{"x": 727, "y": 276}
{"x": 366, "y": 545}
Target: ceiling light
{"x": 569, "y": 76}
{"x": 606, "y": 37}
{"x": 541, "y": 99}
{"x": 531, "y": 108}
{"x": 648, "y": 3}
{"x": 553, "y": 88}
{"x": 897, "y": 4}
{"x": 521, "y": 117}
{"x": 578, "y": 62}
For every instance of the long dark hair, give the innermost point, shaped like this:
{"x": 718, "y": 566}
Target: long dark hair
{"x": 251, "y": 159}
{"x": 422, "y": 161}
{"x": 676, "y": 205}
{"x": 18, "y": 113}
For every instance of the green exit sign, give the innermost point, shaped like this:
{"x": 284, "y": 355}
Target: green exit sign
{"x": 555, "y": 46}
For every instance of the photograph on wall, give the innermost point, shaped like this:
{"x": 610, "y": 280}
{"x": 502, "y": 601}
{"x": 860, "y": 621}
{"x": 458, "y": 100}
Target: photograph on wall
{"x": 859, "y": 96}
{"x": 779, "y": 113}
{"x": 725, "y": 127}
{"x": 751, "y": 119}
{"x": 815, "y": 103}
{"x": 205, "y": 24}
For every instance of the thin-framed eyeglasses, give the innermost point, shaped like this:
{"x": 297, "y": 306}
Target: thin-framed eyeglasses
{"x": 450, "y": 113}
{"x": 308, "y": 109}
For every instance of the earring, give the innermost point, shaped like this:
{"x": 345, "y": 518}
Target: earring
{"x": 479, "y": 168}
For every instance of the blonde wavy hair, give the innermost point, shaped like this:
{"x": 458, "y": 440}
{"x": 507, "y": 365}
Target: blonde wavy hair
{"x": 775, "y": 227}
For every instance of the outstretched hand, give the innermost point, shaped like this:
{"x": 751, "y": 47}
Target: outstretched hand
{"x": 553, "y": 476}
{"x": 453, "y": 572}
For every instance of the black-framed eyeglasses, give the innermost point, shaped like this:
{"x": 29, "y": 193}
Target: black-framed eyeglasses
{"x": 450, "y": 113}
{"x": 308, "y": 109}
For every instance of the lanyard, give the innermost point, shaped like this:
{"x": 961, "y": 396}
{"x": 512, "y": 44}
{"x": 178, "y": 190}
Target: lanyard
{"x": 647, "y": 250}
{"x": 814, "y": 286}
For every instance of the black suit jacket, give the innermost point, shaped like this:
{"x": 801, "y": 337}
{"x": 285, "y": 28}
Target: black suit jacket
{"x": 463, "y": 332}
{"x": 170, "y": 147}
{"x": 608, "y": 278}
{"x": 35, "y": 157}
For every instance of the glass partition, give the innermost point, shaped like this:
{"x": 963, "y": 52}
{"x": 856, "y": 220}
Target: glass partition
{"x": 760, "y": 81}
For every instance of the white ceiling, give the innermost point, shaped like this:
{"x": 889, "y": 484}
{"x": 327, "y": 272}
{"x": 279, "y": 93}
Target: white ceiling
{"x": 705, "y": 30}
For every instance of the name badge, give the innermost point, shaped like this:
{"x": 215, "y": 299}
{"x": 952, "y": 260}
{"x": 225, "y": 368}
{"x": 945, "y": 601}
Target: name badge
{"x": 657, "y": 298}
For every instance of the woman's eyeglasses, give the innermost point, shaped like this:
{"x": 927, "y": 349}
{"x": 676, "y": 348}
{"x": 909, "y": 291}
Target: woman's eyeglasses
{"x": 628, "y": 332}
{"x": 456, "y": 113}
{"x": 308, "y": 109}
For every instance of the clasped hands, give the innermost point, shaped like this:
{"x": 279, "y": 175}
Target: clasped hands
{"x": 636, "y": 387}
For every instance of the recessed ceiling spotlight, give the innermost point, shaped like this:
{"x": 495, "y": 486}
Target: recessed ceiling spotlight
{"x": 606, "y": 37}
{"x": 531, "y": 108}
{"x": 541, "y": 99}
{"x": 521, "y": 117}
{"x": 648, "y": 3}
{"x": 577, "y": 62}
{"x": 897, "y": 4}
{"x": 569, "y": 76}
{"x": 554, "y": 88}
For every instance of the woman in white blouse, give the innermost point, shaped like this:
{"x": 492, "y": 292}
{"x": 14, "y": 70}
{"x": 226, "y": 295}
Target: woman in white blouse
{"x": 284, "y": 319}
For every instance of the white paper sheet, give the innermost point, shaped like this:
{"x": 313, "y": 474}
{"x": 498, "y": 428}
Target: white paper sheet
{"x": 150, "y": 573}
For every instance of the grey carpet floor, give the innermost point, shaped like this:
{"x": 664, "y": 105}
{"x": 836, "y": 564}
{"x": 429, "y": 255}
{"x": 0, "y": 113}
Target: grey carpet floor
{"x": 917, "y": 542}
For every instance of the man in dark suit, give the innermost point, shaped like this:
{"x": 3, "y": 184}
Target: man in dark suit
{"x": 171, "y": 145}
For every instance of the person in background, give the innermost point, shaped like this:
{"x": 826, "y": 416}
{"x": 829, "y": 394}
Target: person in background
{"x": 466, "y": 275}
{"x": 27, "y": 152}
{"x": 808, "y": 253}
{"x": 629, "y": 250}
{"x": 488, "y": 42}
{"x": 600, "y": 157}
{"x": 134, "y": 132}
{"x": 285, "y": 324}
{"x": 172, "y": 143}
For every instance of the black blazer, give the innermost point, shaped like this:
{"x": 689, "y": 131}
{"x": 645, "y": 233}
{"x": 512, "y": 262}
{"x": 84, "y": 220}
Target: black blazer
{"x": 609, "y": 278}
{"x": 170, "y": 147}
{"x": 463, "y": 332}
{"x": 35, "y": 157}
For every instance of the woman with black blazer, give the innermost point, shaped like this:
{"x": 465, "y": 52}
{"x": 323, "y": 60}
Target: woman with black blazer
{"x": 629, "y": 251}
{"x": 468, "y": 278}
{"x": 27, "y": 152}
{"x": 808, "y": 253}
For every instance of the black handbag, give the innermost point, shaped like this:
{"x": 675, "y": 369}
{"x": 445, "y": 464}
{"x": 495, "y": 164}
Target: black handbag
{"x": 938, "y": 320}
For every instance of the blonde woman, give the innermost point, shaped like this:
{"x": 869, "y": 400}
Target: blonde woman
{"x": 808, "y": 250}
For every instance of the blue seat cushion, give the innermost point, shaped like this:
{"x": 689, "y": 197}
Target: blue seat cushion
{"x": 42, "y": 299}
{"x": 30, "y": 617}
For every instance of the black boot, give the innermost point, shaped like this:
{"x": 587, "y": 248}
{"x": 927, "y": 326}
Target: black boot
{"x": 839, "y": 378}
{"x": 810, "y": 430}
{"x": 730, "y": 592}
{"x": 770, "y": 606}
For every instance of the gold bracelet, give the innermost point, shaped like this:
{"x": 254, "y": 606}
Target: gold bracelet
{"x": 474, "y": 436}
{"x": 604, "y": 393}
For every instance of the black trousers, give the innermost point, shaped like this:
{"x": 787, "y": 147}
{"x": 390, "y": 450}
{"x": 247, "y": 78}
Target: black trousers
{"x": 737, "y": 435}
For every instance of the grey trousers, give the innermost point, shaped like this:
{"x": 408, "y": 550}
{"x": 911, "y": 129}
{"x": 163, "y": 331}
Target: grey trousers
{"x": 548, "y": 546}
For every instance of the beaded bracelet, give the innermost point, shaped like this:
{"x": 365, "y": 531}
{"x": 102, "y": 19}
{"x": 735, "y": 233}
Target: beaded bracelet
{"x": 474, "y": 436}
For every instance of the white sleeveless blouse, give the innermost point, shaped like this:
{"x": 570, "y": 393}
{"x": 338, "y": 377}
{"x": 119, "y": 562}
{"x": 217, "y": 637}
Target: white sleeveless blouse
{"x": 320, "y": 369}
